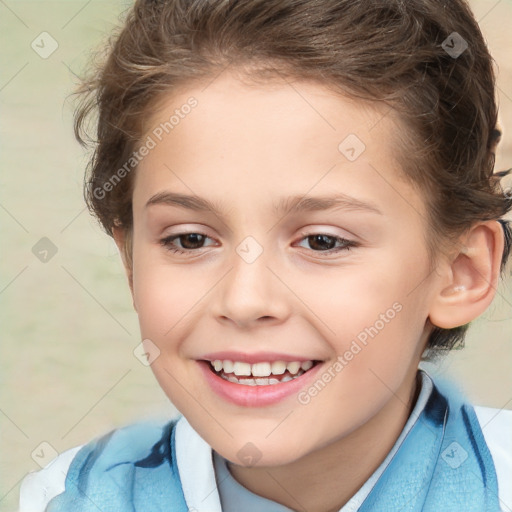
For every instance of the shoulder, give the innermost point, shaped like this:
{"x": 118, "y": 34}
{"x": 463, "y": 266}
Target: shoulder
{"x": 138, "y": 442}
{"x": 39, "y": 487}
{"x": 494, "y": 422}
{"x": 496, "y": 425}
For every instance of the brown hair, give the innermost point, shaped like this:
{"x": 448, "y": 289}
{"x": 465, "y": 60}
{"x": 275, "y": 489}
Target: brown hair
{"x": 409, "y": 55}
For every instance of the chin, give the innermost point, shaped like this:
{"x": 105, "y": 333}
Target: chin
{"x": 261, "y": 453}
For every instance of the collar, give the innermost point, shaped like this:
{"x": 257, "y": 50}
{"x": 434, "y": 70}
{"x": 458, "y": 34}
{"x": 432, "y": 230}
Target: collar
{"x": 198, "y": 464}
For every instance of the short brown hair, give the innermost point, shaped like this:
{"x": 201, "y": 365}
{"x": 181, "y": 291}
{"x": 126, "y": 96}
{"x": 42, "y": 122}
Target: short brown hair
{"x": 393, "y": 52}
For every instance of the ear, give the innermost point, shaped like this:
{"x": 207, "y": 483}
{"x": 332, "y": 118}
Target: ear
{"x": 470, "y": 280}
{"x": 121, "y": 238}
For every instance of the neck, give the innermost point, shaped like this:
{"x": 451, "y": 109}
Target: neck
{"x": 325, "y": 480}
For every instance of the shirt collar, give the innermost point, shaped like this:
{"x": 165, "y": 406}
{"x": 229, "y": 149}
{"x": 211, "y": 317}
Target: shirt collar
{"x": 197, "y": 466}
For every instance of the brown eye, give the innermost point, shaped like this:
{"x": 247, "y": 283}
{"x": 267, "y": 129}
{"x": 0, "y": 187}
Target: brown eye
{"x": 324, "y": 243}
{"x": 189, "y": 242}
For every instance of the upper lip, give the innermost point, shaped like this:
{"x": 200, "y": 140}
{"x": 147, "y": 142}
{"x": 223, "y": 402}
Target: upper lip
{"x": 256, "y": 357}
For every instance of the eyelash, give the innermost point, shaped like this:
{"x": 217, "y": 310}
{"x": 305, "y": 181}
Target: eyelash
{"x": 348, "y": 244}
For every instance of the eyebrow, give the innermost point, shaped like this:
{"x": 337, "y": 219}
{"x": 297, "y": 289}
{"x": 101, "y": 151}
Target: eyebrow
{"x": 297, "y": 203}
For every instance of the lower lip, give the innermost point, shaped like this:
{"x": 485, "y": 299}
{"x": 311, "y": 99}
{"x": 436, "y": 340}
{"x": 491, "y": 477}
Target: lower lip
{"x": 255, "y": 396}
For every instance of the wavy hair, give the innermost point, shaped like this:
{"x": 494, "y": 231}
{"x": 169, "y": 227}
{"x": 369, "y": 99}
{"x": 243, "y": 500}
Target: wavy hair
{"x": 397, "y": 53}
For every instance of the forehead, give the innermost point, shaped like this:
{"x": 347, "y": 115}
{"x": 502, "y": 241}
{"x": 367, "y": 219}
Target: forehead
{"x": 244, "y": 141}
{"x": 279, "y": 111}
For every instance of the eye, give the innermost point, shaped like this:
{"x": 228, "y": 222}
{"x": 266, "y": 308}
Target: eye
{"x": 319, "y": 242}
{"x": 189, "y": 242}
{"x": 322, "y": 242}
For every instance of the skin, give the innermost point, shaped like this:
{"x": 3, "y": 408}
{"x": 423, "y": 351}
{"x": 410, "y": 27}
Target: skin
{"x": 244, "y": 147}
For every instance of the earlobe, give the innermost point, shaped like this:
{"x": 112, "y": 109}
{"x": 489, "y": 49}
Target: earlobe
{"x": 471, "y": 279}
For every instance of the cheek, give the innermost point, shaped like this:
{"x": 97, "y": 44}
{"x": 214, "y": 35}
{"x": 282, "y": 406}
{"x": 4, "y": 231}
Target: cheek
{"x": 165, "y": 294}
{"x": 376, "y": 327}
{"x": 166, "y": 298}
{"x": 375, "y": 362}
{"x": 157, "y": 303}
{"x": 362, "y": 303}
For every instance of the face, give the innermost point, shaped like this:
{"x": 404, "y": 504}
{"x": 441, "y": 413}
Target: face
{"x": 332, "y": 297}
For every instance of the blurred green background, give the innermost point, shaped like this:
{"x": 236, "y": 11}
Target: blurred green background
{"x": 67, "y": 368}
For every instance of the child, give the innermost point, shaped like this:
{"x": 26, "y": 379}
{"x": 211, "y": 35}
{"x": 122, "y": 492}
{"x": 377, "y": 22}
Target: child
{"x": 302, "y": 193}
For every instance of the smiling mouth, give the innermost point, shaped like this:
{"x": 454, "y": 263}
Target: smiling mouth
{"x": 262, "y": 373}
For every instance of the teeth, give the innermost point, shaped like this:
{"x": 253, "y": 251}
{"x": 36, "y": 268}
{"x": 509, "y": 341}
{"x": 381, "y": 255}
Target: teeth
{"x": 258, "y": 381}
{"x": 278, "y": 367}
{"x": 241, "y": 368}
{"x": 293, "y": 367}
{"x": 306, "y": 365}
{"x": 259, "y": 370}
{"x": 254, "y": 382}
{"x": 227, "y": 366}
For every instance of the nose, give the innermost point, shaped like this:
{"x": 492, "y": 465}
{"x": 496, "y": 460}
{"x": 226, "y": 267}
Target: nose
{"x": 251, "y": 294}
